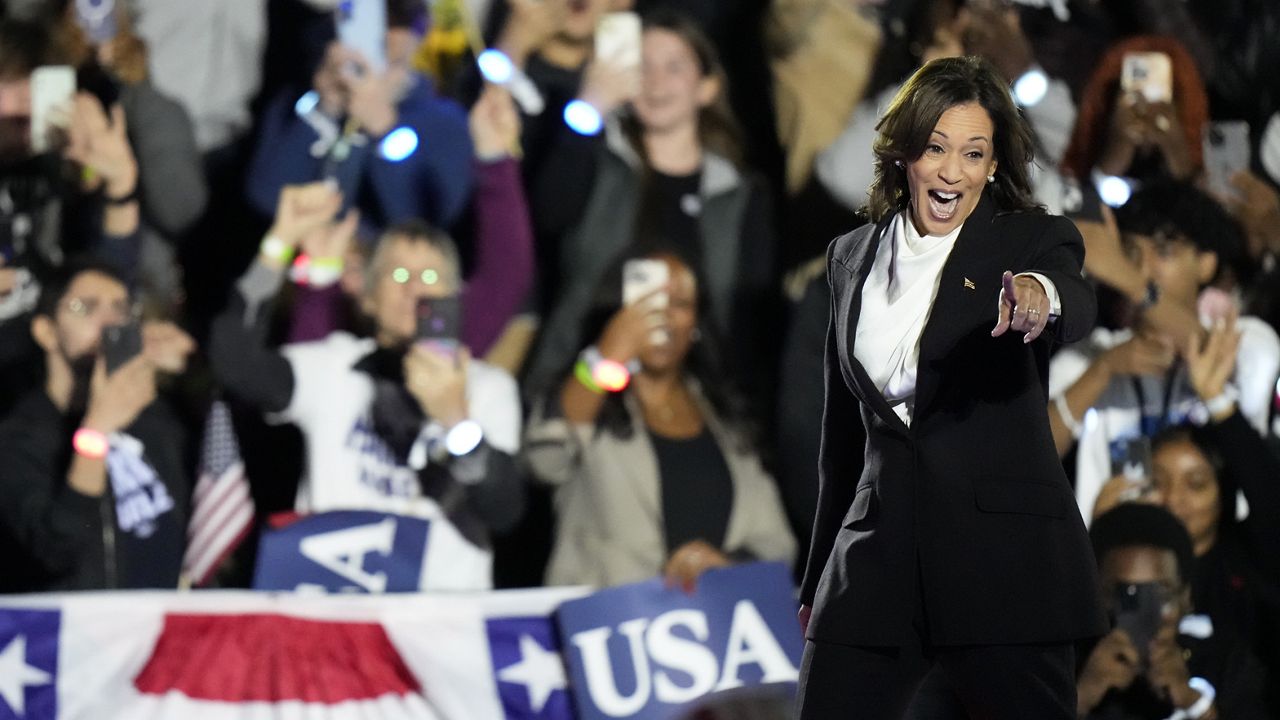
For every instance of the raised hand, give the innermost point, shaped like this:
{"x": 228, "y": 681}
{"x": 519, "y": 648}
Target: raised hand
{"x": 371, "y": 94}
{"x": 1143, "y": 354}
{"x": 1211, "y": 363}
{"x": 495, "y": 124}
{"x": 609, "y": 84}
{"x": 1113, "y": 664}
{"x": 116, "y": 399}
{"x": 438, "y": 381}
{"x": 303, "y": 209}
{"x": 332, "y": 239}
{"x": 1023, "y": 307}
{"x": 102, "y": 145}
{"x": 630, "y": 328}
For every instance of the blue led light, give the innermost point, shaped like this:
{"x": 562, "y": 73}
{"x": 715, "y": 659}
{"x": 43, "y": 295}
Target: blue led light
{"x": 495, "y": 66}
{"x": 1114, "y": 191}
{"x": 1031, "y": 88}
{"x": 582, "y": 118}
{"x": 307, "y": 103}
{"x": 398, "y": 144}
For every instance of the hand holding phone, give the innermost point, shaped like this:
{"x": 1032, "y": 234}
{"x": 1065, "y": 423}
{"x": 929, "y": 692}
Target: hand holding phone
{"x": 362, "y": 26}
{"x": 1139, "y": 611}
{"x": 1226, "y": 153}
{"x": 618, "y": 39}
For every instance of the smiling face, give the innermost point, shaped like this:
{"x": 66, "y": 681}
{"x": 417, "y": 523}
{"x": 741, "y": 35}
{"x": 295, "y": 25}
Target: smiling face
{"x": 673, "y": 88}
{"x": 947, "y": 180}
{"x": 1187, "y": 486}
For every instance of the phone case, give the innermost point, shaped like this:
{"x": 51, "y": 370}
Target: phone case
{"x": 641, "y": 277}
{"x": 1226, "y": 152}
{"x": 362, "y": 26}
{"x": 618, "y": 38}
{"x": 1149, "y": 74}
{"x": 52, "y": 87}
{"x": 120, "y": 344}
{"x": 97, "y": 18}
{"x": 439, "y": 319}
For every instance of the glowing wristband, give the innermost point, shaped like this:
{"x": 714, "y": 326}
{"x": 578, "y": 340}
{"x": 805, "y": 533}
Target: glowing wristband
{"x": 1200, "y": 707}
{"x": 463, "y": 438}
{"x": 582, "y": 371}
{"x": 276, "y": 249}
{"x": 582, "y": 118}
{"x": 609, "y": 375}
{"x": 90, "y": 443}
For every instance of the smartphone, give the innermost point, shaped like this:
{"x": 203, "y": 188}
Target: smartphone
{"x": 439, "y": 323}
{"x": 1150, "y": 74}
{"x": 642, "y": 277}
{"x": 120, "y": 344}
{"x": 1226, "y": 152}
{"x": 1138, "y": 609}
{"x": 362, "y": 26}
{"x": 52, "y": 88}
{"x": 618, "y": 38}
{"x": 98, "y": 82}
{"x": 97, "y": 18}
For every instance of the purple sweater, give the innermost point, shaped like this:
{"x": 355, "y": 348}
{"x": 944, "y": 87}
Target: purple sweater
{"x": 491, "y": 295}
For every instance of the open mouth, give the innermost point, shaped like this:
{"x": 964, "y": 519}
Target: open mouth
{"x": 942, "y": 205}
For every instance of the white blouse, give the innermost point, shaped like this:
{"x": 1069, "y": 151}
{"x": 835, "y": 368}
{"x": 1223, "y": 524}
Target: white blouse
{"x": 896, "y": 299}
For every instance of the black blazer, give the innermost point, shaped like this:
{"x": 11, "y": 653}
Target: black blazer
{"x": 973, "y": 492}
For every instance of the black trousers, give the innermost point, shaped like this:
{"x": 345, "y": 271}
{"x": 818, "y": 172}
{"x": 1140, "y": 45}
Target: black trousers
{"x": 922, "y": 681}
{"x": 979, "y": 682}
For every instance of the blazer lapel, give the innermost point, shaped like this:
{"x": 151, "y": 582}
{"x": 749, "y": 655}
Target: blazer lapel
{"x": 947, "y": 321}
{"x": 861, "y": 268}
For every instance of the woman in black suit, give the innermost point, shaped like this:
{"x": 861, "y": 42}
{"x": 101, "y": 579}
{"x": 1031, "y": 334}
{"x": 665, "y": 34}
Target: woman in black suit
{"x": 950, "y": 538}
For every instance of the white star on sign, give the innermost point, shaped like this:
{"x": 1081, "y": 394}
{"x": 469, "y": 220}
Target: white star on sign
{"x": 540, "y": 671}
{"x": 16, "y": 675}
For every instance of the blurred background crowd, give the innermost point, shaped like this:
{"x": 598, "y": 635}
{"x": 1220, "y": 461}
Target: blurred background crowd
{"x": 232, "y": 216}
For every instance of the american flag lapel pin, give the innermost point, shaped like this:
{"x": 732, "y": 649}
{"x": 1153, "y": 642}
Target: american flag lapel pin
{"x": 969, "y": 284}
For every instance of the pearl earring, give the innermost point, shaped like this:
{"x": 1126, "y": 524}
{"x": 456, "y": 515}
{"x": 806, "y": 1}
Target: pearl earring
{"x": 898, "y": 163}
{"x": 991, "y": 178}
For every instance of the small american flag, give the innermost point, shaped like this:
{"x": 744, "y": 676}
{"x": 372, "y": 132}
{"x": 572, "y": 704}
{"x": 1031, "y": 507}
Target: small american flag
{"x": 222, "y": 508}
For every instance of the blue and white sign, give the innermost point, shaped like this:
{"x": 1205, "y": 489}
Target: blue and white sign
{"x": 29, "y": 664}
{"x": 344, "y": 551}
{"x": 528, "y": 668}
{"x": 645, "y": 651}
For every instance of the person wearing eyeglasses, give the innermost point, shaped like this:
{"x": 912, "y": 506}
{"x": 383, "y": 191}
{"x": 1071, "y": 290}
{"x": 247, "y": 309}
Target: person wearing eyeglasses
{"x": 91, "y": 461}
{"x": 392, "y": 422}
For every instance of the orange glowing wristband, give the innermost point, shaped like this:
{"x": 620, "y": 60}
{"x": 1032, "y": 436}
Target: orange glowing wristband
{"x": 90, "y": 443}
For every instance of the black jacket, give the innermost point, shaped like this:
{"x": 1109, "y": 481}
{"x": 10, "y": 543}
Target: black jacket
{"x": 54, "y": 538}
{"x": 969, "y": 507}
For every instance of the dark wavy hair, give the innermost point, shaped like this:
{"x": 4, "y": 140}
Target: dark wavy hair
{"x": 1203, "y": 442}
{"x": 704, "y": 363}
{"x": 1180, "y": 209}
{"x": 905, "y": 129}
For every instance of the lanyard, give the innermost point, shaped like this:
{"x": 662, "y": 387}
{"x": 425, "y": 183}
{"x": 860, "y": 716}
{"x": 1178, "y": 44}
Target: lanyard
{"x": 1152, "y": 425}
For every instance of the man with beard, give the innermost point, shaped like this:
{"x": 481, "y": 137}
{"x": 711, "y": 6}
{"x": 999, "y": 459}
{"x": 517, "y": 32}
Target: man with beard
{"x": 91, "y": 464}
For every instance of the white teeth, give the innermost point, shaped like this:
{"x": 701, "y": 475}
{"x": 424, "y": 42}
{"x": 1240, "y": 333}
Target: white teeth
{"x": 946, "y": 197}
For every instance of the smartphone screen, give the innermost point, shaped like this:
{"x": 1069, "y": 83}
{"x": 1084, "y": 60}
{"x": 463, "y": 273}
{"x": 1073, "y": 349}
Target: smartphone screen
{"x": 1150, "y": 74}
{"x": 618, "y": 38}
{"x": 362, "y": 26}
{"x": 52, "y": 87}
{"x": 1139, "y": 611}
{"x": 97, "y": 18}
{"x": 1226, "y": 152}
{"x": 439, "y": 322}
{"x": 120, "y": 344}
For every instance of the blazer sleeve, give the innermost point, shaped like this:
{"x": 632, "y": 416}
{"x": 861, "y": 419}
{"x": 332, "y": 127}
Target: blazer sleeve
{"x": 840, "y": 453}
{"x": 1060, "y": 257}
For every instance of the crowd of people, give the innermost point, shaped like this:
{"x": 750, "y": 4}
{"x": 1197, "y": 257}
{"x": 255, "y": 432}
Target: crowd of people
{"x": 235, "y": 207}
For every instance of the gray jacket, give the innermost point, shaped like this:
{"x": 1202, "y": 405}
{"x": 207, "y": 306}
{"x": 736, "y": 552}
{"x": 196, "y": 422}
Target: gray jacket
{"x": 607, "y": 229}
{"x": 608, "y": 502}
